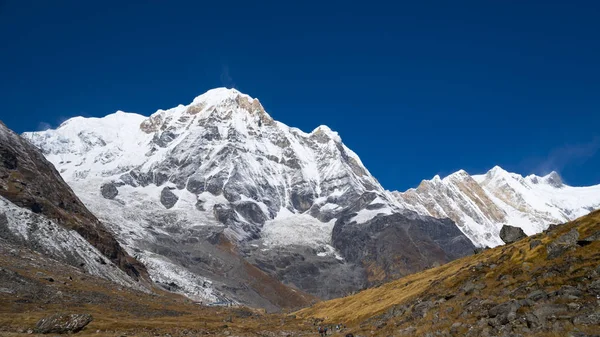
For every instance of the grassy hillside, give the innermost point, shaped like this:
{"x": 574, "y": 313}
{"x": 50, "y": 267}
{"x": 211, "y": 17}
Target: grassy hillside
{"x": 543, "y": 285}
{"x": 33, "y": 286}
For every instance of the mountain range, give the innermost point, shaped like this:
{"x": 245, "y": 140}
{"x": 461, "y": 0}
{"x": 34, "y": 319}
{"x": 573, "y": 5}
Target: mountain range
{"x": 481, "y": 204}
{"x": 215, "y": 198}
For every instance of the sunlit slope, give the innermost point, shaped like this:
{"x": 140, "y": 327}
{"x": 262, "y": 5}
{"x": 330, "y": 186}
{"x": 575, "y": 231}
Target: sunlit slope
{"x": 542, "y": 284}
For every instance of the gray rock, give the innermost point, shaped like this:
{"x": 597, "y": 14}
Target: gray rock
{"x": 504, "y": 313}
{"x": 587, "y": 319}
{"x": 594, "y": 287}
{"x": 454, "y": 328}
{"x": 164, "y": 139}
{"x": 570, "y": 292}
{"x": 195, "y": 185}
{"x": 526, "y": 302}
{"x": 168, "y": 198}
{"x": 546, "y": 311}
{"x": 537, "y": 295}
{"x": 510, "y": 234}
{"x": 63, "y": 323}
{"x": 9, "y": 159}
{"x": 141, "y": 178}
{"x": 534, "y": 243}
{"x": 419, "y": 310}
{"x": 554, "y": 180}
{"x": 250, "y": 211}
{"x": 109, "y": 191}
{"x": 563, "y": 243}
{"x": 302, "y": 200}
{"x": 399, "y": 243}
{"x": 469, "y": 287}
{"x": 379, "y": 324}
{"x": 224, "y": 214}
{"x": 533, "y": 322}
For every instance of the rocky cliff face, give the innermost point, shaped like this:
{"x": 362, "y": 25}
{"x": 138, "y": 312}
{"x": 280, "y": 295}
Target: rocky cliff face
{"x": 39, "y": 210}
{"x": 179, "y": 183}
{"x": 481, "y": 204}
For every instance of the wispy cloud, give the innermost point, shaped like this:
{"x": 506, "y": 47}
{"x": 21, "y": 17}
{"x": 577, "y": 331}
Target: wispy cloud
{"x": 43, "y": 126}
{"x": 568, "y": 154}
{"x": 226, "y": 79}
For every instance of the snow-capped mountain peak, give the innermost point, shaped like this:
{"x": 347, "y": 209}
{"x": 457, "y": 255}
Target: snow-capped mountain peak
{"x": 218, "y": 95}
{"x": 481, "y": 204}
{"x": 221, "y": 169}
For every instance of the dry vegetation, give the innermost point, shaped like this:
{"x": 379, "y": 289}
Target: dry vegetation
{"x": 32, "y": 287}
{"x": 435, "y": 299}
{"x": 430, "y": 302}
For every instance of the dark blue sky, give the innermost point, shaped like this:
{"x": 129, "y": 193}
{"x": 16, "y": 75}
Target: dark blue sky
{"x": 418, "y": 89}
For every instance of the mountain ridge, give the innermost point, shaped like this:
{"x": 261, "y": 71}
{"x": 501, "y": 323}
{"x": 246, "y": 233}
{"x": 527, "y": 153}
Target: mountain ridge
{"x": 39, "y": 210}
{"x": 481, "y": 204}
{"x": 169, "y": 184}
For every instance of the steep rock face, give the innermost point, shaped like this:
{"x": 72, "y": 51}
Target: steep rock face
{"x": 38, "y": 209}
{"x": 222, "y": 166}
{"x": 422, "y": 241}
{"x": 481, "y": 204}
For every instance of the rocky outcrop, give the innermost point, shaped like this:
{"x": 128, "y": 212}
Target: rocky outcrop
{"x": 28, "y": 180}
{"x": 510, "y": 234}
{"x": 391, "y": 246}
{"x": 168, "y": 198}
{"x": 109, "y": 191}
{"x": 562, "y": 244}
{"x": 63, "y": 323}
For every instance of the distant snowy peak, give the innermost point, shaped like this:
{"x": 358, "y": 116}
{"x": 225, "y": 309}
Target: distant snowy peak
{"x": 481, "y": 204}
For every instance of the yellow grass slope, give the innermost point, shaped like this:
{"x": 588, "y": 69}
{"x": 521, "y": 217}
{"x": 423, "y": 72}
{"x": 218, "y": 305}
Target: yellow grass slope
{"x": 495, "y": 275}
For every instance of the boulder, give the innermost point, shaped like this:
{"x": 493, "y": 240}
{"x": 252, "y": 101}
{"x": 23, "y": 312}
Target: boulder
{"x": 251, "y": 211}
{"x": 563, "y": 243}
{"x": 570, "y": 292}
{"x": 419, "y": 310}
{"x": 195, "y": 185}
{"x": 63, "y": 323}
{"x": 537, "y": 295}
{"x": 510, "y": 234}
{"x": 504, "y": 309}
{"x": 109, "y": 191}
{"x": 168, "y": 198}
{"x": 546, "y": 311}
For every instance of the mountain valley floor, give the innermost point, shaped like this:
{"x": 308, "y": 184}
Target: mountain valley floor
{"x": 544, "y": 285}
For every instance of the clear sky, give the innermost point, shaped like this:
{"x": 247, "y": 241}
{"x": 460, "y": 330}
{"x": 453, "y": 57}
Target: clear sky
{"x": 416, "y": 89}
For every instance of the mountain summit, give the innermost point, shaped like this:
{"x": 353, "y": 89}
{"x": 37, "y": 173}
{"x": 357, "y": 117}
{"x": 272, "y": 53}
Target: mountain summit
{"x": 193, "y": 189}
{"x": 481, "y": 204}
